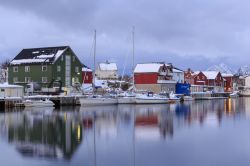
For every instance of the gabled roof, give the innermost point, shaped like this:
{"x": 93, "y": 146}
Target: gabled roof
{"x": 39, "y": 55}
{"x": 148, "y": 67}
{"x": 211, "y": 75}
{"x": 86, "y": 68}
{"x": 108, "y": 66}
{"x": 226, "y": 75}
{"x": 177, "y": 70}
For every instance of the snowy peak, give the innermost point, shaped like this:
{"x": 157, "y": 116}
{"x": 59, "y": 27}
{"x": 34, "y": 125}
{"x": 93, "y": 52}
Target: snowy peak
{"x": 244, "y": 71}
{"x": 221, "y": 68}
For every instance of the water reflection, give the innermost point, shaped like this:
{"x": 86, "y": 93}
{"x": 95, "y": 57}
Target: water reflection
{"x": 114, "y": 135}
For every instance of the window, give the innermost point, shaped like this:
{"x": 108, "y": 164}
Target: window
{"x": 2, "y": 90}
{"x": 62, "y": 58}
{"x": 73, "y": 58}
{"x": 58, "y": 78}
{"x": 27, "y": 68}
{"x": 27, "y": 80}
{"x": 15, "y": 69}
{"x": 76, "y": 80}
{"x": 77, "y": 69}
{"x": 44, "y": 79}
{"x": 58, "y": 68}
{"x": 15, "y": 79}
{"x": 44, "y": 68}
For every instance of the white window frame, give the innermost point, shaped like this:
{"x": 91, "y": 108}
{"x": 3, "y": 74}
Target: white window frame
{"x": 58, "y": 68}
{"x": 15, "y": 79}
{"x": 27, "y": 79}
{"x": 77, "y": 69}
{"x": 44, "y": 79}
{"x": 27, "y": 68}
{"x": 44, "y": 66}
{"x": 15, "y": 69}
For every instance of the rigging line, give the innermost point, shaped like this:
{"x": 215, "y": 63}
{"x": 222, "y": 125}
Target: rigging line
{"x": 126, "y": 55}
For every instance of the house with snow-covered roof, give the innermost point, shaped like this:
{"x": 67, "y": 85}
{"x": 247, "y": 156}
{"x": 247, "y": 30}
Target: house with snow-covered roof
{"x": 42, "y": 65}
{"x": 156, "y": 77}
{"x": 107, "y": 71}
{"x": 87, "y": 75}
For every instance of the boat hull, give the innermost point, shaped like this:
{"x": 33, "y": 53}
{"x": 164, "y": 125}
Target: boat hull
{"x": 150, "y": 101}
{"x": 38, "y": 104}
{"x": 98, "y": 101}
{"x": 126, "y": 100}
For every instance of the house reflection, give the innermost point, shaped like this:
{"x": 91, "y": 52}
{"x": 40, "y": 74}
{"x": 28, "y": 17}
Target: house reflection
{"x": 47, "y": 136}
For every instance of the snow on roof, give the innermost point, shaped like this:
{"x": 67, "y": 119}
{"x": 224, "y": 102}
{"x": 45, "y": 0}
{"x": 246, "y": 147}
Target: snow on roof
{"x": 38, "y": 55}
{"x": 210, "y": 74}
{"x": 59, "y": 53}
{"x": 86, "y": 69}
{"x": 6, "y": 85}
{"x": 148, "y": 67}
{"x": 227, "y": 75}
{"x": 108, "y": 66}
{"x": 22, "y": 61}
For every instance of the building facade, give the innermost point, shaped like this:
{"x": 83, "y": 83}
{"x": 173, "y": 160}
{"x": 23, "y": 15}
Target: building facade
{"x": 43, "y": 65}
{"x": 107, "y": 71}
{"x": 156, "y": 77}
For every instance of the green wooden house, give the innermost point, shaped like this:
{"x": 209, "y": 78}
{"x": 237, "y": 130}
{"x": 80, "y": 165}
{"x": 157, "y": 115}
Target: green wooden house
{"x": 42, "y": 65}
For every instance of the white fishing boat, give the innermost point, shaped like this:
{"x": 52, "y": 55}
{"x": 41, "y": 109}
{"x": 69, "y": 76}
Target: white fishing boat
{"x": 98, "y": 100}
{"x": 150, "y": 98}
{"x": 174, "y": 97}
{"x": 38, "y": 103}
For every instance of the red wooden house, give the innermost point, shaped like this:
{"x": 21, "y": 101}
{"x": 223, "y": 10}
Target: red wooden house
{"x": 228, "y": 82}
{"x": 87, "y": 75}
{"x": 156, "y": 77}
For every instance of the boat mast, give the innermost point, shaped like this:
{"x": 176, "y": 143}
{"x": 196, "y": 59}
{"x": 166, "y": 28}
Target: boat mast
{"x": 94, "y": 58}
{"x": 133, "y": 63}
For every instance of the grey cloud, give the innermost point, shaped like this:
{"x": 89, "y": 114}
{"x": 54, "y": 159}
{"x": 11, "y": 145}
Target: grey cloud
{"x": 177, "y": 31}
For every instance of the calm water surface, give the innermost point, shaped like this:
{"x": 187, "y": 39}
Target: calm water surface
{"x": 198, "y": 133}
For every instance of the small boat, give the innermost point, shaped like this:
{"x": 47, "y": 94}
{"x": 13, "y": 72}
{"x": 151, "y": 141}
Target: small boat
{"x": 98, "y": 100}
{"x": 174, "y": 97}
{"x": 188, "y": 98}
{"x": 150, "y": 98}
{"x": 126, "y": 98}
{"x": 235, "y": 94}
{"x": 38, "y": 103}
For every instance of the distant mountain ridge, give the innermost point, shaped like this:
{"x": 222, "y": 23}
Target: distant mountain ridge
{"x": 244, "y": 71}
{"x": 221, "y": 68}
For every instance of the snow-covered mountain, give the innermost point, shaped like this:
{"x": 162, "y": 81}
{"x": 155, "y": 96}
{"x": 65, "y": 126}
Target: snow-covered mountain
{"x": 244, "y": 70}
{"x": 221, "y": 68}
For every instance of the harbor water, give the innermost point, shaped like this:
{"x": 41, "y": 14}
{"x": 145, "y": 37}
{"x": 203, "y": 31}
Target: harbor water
{"x": 193, "y": 133}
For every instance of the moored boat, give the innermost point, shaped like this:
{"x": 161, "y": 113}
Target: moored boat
{"x": 98, "y": 100}
{"x": 150, "y": 98}
{"x": 38, "y": 103}
{"x": 126, "y": 98}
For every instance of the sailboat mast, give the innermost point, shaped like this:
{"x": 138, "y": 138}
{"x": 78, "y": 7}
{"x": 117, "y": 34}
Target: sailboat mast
{"x": 133, "y": 40}
{"x": 133, "y": 63}
{"x": 94, "y": 57}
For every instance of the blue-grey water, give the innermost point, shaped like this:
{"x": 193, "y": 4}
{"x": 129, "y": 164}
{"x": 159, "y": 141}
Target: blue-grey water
{"x": 196, "y": 133}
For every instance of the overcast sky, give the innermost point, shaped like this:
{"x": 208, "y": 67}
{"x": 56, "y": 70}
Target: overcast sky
{"x": 188, "y": 33}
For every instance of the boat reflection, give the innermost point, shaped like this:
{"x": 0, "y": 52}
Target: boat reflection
{"x": 99, "y": 130}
